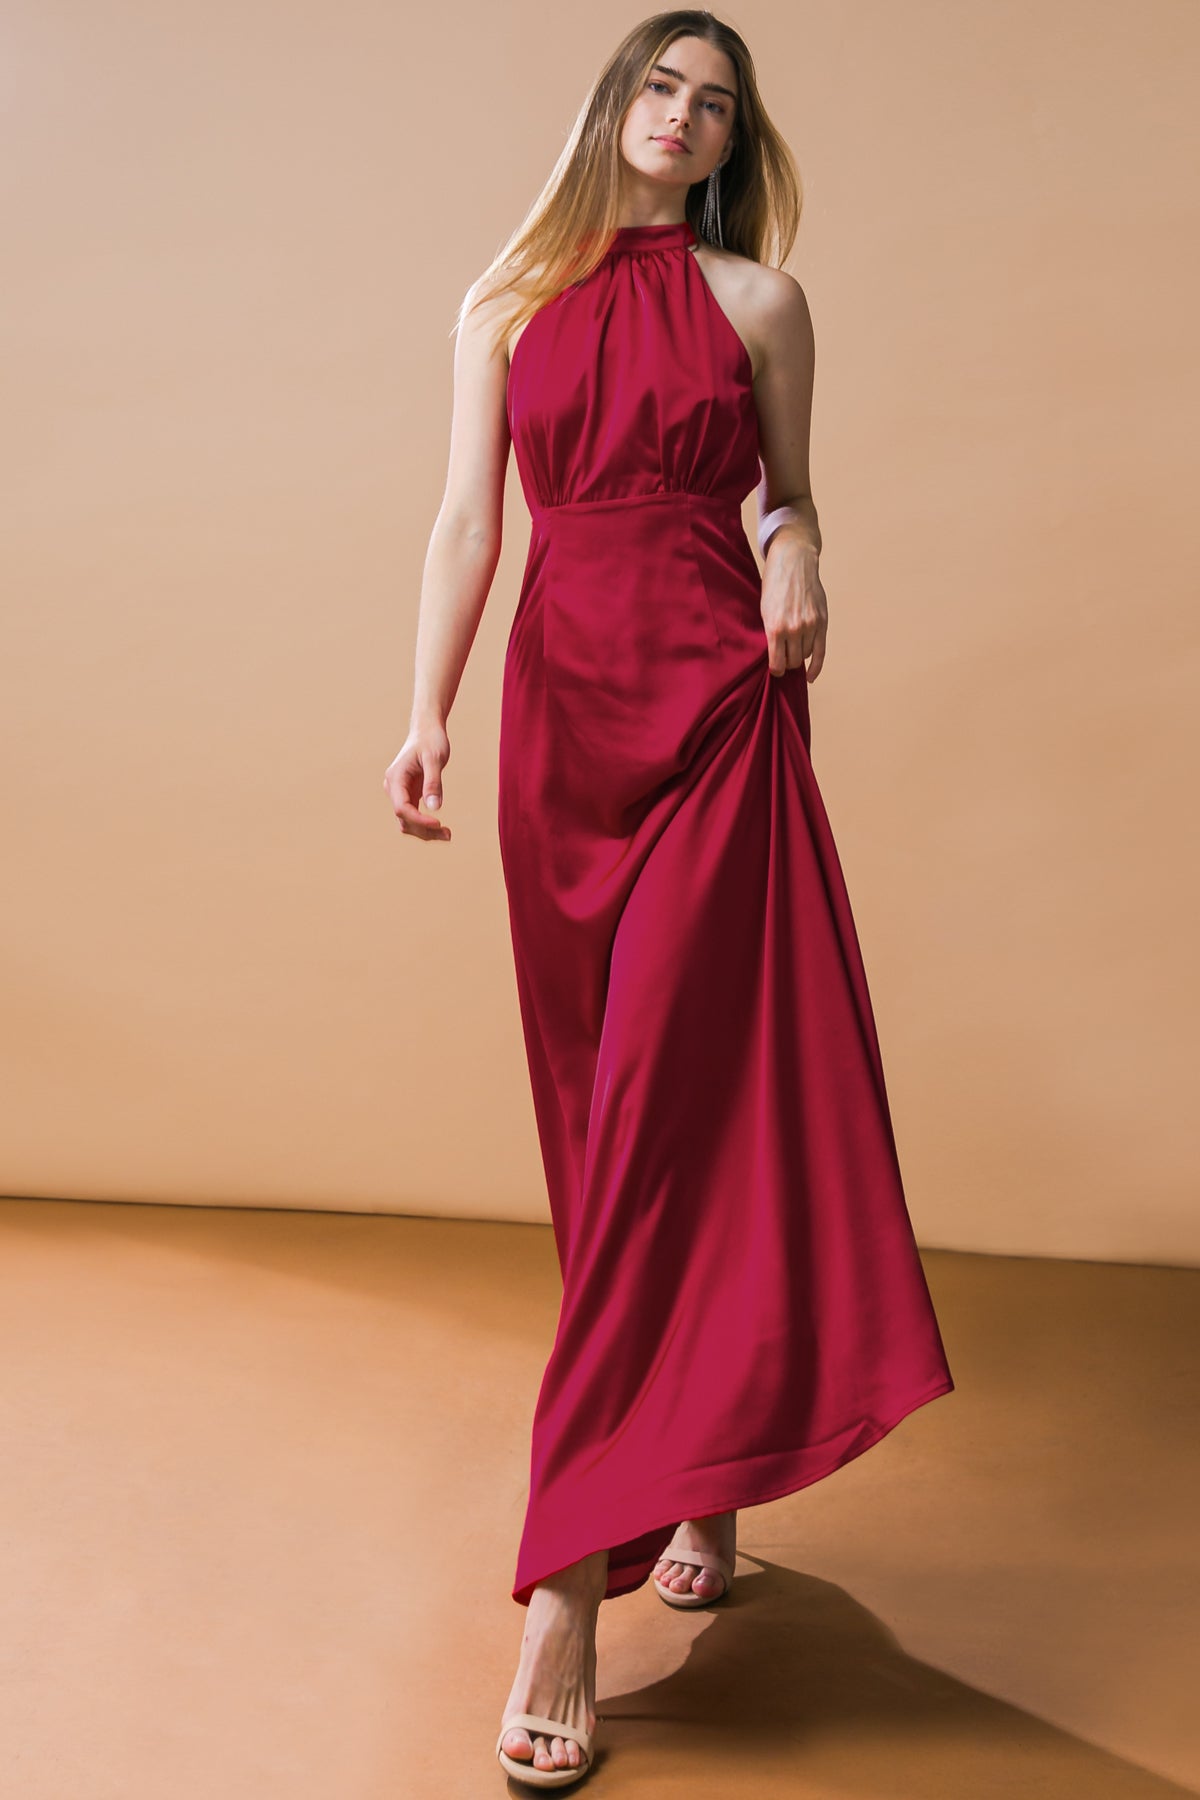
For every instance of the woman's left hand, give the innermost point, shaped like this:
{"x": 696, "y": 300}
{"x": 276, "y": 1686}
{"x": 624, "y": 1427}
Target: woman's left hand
{"x": 794, "y": 611}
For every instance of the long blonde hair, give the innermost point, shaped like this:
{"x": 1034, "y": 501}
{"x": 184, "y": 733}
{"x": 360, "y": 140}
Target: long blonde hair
{"x": 569, "y": 226}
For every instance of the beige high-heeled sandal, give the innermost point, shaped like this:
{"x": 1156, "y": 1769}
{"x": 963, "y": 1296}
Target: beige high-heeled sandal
{"x": 695, "y": 1559}
{"x": 537, "y": 1725}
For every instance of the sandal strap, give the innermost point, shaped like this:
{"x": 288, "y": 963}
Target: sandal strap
{"x": 538, "y": 1725}
{"x": 695, "y": 1559}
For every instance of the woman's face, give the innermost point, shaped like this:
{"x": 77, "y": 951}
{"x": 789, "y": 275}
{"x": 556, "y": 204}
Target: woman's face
{"x": 689, "y": 96}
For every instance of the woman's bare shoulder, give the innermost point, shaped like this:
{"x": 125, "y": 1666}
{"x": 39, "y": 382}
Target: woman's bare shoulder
{"x": 760, "y": 301}
{"x": 491, "y": 303}
{"x": 768, "y": 294}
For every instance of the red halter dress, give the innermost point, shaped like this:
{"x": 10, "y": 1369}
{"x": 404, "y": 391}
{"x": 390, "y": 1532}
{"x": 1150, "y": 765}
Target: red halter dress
{"x": 743, "y": 1305}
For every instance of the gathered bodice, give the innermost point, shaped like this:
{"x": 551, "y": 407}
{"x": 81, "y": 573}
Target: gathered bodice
{"x": 633, "y": 383}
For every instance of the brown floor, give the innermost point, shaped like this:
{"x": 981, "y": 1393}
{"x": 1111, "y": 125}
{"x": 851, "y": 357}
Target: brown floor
{"x": 264, "y": 1475}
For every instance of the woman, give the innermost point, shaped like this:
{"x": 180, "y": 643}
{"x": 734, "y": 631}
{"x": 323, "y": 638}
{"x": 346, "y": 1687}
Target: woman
{"x": 743, "y": 1306}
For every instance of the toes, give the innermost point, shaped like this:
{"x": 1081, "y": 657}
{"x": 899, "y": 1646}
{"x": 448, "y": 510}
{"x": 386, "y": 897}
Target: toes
{"x": 559, "y": 1753}
{"x": 553, "y": 1754}
{"x": 679, "y": 1577}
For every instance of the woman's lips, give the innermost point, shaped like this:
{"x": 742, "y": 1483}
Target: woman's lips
{"x": 673, "y": 144}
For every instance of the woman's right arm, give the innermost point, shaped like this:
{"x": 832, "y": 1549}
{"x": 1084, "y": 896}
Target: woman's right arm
{"x": 460, "y": 562}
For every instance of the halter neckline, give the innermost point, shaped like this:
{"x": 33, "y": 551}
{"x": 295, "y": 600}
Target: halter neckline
{"x": 676, "y": 234}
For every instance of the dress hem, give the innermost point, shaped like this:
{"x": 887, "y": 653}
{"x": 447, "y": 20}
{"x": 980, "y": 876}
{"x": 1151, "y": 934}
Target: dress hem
{"x": 627, "y": 1578}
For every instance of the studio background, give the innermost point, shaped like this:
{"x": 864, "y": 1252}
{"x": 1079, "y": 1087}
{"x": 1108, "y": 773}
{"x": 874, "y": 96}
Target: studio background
{"x": 235, "y": 243}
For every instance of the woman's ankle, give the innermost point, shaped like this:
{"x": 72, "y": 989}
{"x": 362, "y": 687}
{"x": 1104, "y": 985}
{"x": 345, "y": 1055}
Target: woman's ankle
{"x": 585, "y": 1580}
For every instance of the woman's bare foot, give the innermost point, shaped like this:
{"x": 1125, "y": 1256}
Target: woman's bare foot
{"x": 716, "y": 1534}
{"x": 556, "y": 1674}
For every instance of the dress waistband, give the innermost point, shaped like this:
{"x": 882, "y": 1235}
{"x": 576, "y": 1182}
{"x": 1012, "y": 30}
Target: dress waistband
{"x": 661, "y": 497}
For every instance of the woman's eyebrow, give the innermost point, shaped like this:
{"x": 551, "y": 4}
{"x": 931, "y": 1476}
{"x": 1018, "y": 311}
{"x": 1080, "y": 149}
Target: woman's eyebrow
{"x": 713, "y": 87}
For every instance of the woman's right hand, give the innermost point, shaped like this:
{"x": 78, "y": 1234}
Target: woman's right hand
{"x": 416, "y": 770}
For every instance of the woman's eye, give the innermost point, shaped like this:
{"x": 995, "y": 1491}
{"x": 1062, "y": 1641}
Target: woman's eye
{"x": 715, "y": 104}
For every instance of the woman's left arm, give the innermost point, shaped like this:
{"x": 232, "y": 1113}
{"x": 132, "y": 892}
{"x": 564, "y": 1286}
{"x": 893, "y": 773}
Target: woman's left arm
{"x": 794, "y": 611}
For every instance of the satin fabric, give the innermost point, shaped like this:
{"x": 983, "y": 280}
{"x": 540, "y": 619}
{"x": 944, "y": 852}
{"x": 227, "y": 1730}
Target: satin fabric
{"x": 743, "y": 1305}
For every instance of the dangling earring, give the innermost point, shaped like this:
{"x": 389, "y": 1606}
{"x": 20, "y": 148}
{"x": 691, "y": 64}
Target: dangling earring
{"x": 710, "y": 223}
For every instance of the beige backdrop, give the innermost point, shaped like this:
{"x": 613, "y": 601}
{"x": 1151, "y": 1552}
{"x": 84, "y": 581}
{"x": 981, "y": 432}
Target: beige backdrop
{"x": 235, "y": 238}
